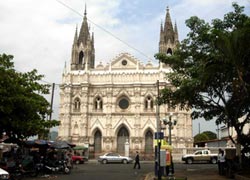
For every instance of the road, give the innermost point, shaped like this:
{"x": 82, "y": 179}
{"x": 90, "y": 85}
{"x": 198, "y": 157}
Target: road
{"x": 97, "y": 171}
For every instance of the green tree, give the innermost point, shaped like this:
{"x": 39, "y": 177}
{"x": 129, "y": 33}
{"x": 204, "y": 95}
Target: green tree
{"x": 200, "y": 138}
{"x": 23, "y": 109}
{"x": 205, "y": 136}
{"x": 211, "y": 135}
{"x": 211, "y": 71}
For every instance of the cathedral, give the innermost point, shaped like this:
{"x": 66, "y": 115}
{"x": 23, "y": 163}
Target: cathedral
{"x": 104, "y": 107}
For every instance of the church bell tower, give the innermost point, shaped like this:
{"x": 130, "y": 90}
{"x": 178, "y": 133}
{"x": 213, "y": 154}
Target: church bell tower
{"x": 168, "y": 36}
{"x": 83, "y": 51}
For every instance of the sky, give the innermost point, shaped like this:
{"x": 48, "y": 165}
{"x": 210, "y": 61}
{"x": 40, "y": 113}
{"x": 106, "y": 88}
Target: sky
{"x": 40, "y": 33}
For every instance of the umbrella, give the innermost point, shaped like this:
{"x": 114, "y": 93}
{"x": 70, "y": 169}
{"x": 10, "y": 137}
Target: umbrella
{"x": 79, "y": 148}
{"x": 60, "y": 145}
{"x": 36, "y": 143}
{"x": 41, "y": 142}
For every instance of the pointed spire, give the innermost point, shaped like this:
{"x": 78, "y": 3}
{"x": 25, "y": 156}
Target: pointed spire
{"x": 85, "y": 10}
{"x": 176, "y": 32}
{"x": 84, "y": 31}
{"x": 168, "y": 35}
{"x": 76, "y": 34}
{"x": 161, "y": 26}
{"x": 175, "y": 27}
{"x": 93, "y": 40}
{"x": 65, "y": 68}
{"x": 161, "y": 33}
{"x": 168, "y": 22}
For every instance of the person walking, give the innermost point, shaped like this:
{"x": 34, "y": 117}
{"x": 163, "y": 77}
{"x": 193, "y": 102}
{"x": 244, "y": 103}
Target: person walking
{"x": 221, "y": 162}
{"x": 137, "y": 161}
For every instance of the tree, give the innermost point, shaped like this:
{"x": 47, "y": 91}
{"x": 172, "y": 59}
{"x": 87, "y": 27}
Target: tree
{"x": 211, "y": 135}
{"x": 200, "y": 138}
{"x": 23, "y": 109}
{"x": 205, "y": 136}
{"x": 211, "y": 72}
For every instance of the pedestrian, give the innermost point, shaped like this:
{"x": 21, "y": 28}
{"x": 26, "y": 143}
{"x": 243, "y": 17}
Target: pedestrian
{"x": 221, "y": 162}
{"x": 170, "y": 167}
{"x": 137, "y": 161}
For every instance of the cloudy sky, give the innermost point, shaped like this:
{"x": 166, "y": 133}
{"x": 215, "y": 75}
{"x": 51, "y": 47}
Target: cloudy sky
{"x": 40, "y": 33}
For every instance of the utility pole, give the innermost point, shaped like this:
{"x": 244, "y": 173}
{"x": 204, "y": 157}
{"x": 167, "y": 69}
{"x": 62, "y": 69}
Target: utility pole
{"x": 52, "y": 98}
{"x": 51, "y": 107}
{"x": 158, "y": 123}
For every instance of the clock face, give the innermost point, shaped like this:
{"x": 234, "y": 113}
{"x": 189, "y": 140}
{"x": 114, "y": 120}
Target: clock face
{"x": 124, "y": 62}
{"x": 123, "y": 103}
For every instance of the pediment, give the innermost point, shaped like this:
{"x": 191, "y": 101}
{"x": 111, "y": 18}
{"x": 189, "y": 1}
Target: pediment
{"x": 124, "y": 61}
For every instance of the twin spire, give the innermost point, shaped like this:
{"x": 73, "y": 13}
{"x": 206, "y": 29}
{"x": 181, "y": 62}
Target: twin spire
{"x": 83, "y": 51}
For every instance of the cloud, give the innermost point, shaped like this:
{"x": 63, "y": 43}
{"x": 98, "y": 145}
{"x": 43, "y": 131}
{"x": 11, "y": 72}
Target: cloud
{"x": 40, "y": 33}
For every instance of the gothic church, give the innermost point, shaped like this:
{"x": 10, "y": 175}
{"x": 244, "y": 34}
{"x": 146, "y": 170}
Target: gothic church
{"x": 105, "y": 106}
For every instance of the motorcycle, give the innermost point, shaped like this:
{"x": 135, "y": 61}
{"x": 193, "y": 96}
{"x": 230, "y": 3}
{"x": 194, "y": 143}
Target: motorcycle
{"x": 59, "y": 166}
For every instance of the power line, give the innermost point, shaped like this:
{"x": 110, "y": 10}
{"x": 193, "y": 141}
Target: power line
{"x": 116, "y": 37}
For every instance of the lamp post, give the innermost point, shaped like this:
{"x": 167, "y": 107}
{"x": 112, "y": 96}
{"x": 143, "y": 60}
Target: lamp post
{"x": 168, "y": 121}
{"x": 170, "y": 124}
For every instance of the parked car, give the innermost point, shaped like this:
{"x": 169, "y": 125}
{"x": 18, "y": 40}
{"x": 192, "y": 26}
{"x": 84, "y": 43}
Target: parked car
{"x": 114, "y": 158}
{"x": 4, "y": 174}
{"x": 77, "y": 159}
{"x": 200, "y": 156}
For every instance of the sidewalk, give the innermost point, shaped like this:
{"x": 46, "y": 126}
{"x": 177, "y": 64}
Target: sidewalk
{"x": 190, "y": 174}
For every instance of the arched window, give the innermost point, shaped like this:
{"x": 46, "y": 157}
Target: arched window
{"x": 98, "y": 104}
{"x": 77, "y": 105}
{"x": 81, "y": 56}
{"x": 149, "y": 104}
{"x": 169, "y": 51}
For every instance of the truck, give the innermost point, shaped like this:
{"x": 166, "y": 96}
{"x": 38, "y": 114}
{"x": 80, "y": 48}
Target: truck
{"x": 200, "y": 156}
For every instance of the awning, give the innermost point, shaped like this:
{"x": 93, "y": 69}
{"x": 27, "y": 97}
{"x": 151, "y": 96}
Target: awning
{"x": 80, "y": 147}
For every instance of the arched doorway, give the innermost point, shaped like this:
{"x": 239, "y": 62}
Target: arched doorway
{"x": 98, "y": 142}
{"x": 122, "y": 137}
{"x": 149, "y": 142}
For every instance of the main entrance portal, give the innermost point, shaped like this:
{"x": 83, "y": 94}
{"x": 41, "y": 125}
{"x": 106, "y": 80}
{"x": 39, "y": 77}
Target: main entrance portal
{"x": 122, "y": 137}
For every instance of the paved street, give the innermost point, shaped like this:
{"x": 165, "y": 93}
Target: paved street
{"x": 96, "y": 171}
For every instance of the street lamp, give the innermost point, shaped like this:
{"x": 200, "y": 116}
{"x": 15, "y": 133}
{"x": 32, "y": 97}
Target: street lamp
{"x": 168, "y": 121}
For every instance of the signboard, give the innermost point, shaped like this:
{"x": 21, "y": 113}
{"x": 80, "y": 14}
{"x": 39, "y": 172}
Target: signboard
{"x": 159, "y": 135}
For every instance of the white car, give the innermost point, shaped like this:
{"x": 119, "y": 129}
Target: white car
{"x": 4, "y": 174}
{"x": 114, "y": 158}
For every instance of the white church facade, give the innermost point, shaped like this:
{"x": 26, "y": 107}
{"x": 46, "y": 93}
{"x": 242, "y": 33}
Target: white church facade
{"x": 106, "y": 106}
